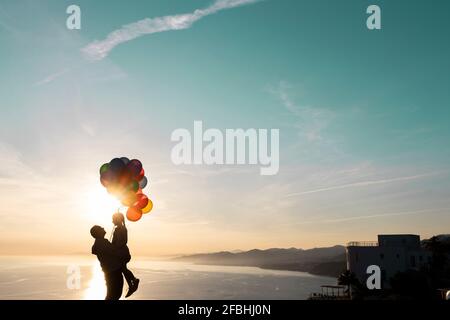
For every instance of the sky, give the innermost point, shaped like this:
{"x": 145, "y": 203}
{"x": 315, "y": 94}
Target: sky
{"x": 363, "y": 119}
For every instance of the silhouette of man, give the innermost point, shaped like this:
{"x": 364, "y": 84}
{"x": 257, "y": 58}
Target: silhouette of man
{"x": 110, "y": 262}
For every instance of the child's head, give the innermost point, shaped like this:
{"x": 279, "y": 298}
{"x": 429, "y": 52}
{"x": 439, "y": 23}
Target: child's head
{"x": 118, "y": 219}
{"x": 98, "y": 232}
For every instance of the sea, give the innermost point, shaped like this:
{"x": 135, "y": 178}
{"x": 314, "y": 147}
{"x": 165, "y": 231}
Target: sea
{"x": 81, "y": 278}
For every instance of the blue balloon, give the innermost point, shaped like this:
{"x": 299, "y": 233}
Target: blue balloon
{"x": 116, "y": 166}
{"x": 125, "y": 160}
{"x": 143, "y": 182}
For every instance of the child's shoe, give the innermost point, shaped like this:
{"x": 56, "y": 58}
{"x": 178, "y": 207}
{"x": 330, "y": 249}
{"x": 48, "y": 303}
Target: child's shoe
{"x": 132, "y": 289}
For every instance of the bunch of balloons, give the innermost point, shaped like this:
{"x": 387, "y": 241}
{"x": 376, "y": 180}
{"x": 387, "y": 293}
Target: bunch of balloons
{"x": 125, "y": 179}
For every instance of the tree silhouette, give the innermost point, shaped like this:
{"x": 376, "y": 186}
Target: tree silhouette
{"x": 348, "y": 279}
{"x": 439, "y": 270}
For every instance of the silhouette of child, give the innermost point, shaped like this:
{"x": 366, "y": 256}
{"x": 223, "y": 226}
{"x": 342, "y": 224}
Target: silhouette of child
{"x": 119, "y": 240}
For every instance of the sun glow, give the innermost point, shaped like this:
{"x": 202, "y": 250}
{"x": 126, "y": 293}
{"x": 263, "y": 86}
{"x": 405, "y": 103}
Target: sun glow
{"x": 97, "y": 288}
{"x": 100, "y": 205}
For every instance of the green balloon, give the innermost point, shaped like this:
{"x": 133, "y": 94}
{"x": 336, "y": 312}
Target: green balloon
{"x": 104, "y": 168}
{"x": 135, "y": 186}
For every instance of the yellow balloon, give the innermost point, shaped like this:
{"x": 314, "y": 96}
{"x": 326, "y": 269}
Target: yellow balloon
{"x": 149, "y": 207}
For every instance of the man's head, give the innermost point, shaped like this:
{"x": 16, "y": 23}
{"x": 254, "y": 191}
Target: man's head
{"x": 98, "y": 232}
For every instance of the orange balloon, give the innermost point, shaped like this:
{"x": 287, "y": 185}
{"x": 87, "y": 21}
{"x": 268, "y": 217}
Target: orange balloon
{"x": 149, "y": 207}
{"x": 134, "y": 214}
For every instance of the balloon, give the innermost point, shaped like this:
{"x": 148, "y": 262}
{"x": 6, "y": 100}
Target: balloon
{"x": 104, "y": 182}
{"x": 125, "y": 160}
{"x": 135, "y": 167}
{"x": 134, "y": 214}
{"x": 129, "y": 199}
{"x": 104, "y": 168}
{"x": 141, "y": 175}
{"x": 149, "y": 207}
{"x": 114, "y": 190}
{"x": 142, "y": 201}
{"x": 117, "y": 166}
{"x": 125, "y": 178}
{"x": 107, "y": 178}
{"x": 133, "y": 186}
{"x": 110, "y": 190}
{"x": 143, "y": 182}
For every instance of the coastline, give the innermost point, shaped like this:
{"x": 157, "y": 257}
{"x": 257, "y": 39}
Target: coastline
{"x": 314, "y": 270}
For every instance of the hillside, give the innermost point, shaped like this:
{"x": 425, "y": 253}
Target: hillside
{"x": 328, "y": 261}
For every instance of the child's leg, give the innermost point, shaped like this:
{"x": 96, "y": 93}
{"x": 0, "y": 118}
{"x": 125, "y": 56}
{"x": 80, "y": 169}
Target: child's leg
{"x": 129, "y": 276}
{"x": 133, "y": 282}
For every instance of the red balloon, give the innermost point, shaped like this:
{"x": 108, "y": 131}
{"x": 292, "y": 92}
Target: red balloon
{"x": 134, "y": 214}
{"x": 135, "y": 168}
{"x": 142, "y": 201}
{"x": 141, "y": 175}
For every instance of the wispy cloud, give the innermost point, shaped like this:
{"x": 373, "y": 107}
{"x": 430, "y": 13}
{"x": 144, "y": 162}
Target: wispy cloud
{"x": 372, "y": 216}
{"x": 363, "y": 184}
{"x": 98, "y": 50}
{"x": 51, "y": 77}
{"x": 310, "y": 122}
{"x": 13, "y": 168}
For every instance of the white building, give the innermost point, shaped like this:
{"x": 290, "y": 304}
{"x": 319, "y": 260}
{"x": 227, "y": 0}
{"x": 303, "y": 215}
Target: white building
{"x": 392, "y": 253}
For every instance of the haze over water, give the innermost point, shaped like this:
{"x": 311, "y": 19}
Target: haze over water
{"x": 45, "y": 278}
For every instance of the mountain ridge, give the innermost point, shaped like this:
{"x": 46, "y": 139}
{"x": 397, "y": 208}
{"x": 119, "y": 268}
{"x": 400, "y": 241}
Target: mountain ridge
{"x": 326, "y": 261}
